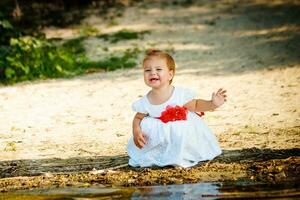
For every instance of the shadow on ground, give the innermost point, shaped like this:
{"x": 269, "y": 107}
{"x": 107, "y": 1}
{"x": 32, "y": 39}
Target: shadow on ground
{"x": 280, "y": 166}
{"x": 56, "y": 165}
{"x": 87, "y": 164}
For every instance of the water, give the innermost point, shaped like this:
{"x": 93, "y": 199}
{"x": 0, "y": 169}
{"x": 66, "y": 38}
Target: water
{"x": 172, "y": 192}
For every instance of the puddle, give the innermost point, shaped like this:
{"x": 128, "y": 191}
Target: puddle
{"x": 183, "y": 191}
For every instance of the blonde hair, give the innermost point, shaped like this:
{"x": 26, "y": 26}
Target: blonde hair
{"x": 158, "y": 53}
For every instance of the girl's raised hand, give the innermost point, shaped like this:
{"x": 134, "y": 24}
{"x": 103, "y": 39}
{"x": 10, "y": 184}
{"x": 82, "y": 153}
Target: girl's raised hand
{"x": 219, "y": 97}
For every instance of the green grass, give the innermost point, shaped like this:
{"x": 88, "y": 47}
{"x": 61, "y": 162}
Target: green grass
{"x": 10, "y": 146}
{"x": 123, "y": 35}
{"x": 113, "y": 62}
{"x": 88, "y": 30}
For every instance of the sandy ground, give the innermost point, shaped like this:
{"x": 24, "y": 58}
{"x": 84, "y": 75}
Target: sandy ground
{"x": 248, "y": 48}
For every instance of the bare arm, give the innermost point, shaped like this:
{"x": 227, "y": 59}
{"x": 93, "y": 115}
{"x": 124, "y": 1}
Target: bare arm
{"x": 198, "y": 105}
{"x": 138, "y": 137}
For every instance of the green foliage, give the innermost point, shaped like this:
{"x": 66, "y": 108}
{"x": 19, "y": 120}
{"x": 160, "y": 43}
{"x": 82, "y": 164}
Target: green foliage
{"x": 6, "y": 30}
{"x": 5, "y": 24}
{"x": 123, "y": 35}
{"x": 88, "y": 30}
{"x": 113, "y": 62}
{"x": 29, "y": 58}
{"x": 75, "y": 46}
{"x": 10, "y": 146}
{"x": 24, "y": 57}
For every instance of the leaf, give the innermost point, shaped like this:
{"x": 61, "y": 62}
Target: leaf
{"x": 58, "y": 67}
{"x": 6, "y": 24}
{"x": 9, "y": 72}
{"x": 14, "y": 41}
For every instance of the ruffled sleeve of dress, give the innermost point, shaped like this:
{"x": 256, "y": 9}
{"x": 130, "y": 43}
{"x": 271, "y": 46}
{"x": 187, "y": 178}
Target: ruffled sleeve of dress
{"x": 139, "y": 106}
{"x": 186, "y": 95}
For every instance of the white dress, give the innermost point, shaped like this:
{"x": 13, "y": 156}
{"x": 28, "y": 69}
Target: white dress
{"x": 179, "y": 143}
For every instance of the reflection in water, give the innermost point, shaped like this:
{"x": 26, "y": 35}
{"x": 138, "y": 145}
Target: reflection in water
{"x": 185, "y": 191}
{"x": 234, "y": 190}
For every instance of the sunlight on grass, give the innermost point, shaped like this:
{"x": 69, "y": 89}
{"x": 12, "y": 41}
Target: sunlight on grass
{"x": 88, "y": 30}
{"x": 178, "y": 46}
{"x": 10, "y": 146}
{"x": 275, "y": 30}
{"x": 63, "y": 33}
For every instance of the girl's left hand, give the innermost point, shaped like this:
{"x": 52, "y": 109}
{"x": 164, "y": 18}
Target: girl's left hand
{"x": 219, "y": 97}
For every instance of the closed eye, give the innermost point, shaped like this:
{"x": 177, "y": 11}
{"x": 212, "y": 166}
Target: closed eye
{"x": 147, "y": 70}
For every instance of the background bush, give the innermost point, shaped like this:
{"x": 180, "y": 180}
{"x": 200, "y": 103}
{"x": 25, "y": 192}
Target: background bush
{"x": 29, "y": 58}
{"x": 25, "y": 54}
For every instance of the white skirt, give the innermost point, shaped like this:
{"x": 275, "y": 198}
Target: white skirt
{"x": 181, "y": 143}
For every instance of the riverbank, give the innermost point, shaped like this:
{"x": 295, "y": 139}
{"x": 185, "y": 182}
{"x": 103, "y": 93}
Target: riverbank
{"x": 58, "y": 133}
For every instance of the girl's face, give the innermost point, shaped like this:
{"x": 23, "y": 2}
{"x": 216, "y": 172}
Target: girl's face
{"x": 156, "y": 72}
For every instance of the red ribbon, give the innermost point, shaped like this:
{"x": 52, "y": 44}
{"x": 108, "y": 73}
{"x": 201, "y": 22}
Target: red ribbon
{"x": 172, "y": 114}
{"x": 175, "y": 113}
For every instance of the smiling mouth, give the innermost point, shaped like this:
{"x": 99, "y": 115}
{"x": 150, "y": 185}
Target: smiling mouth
{"x": 153, "y": 79}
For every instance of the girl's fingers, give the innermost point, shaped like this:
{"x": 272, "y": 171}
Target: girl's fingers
{"x": 143, "y": 139}
{"x": 140, "y": 141}
{"x": 141, "y": 145}
{"x": 223, "y": 92}
{"x": 137, "y": 143}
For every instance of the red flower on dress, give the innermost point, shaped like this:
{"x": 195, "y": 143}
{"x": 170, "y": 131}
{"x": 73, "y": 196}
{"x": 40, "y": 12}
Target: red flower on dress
{"x": 173, "y": 114}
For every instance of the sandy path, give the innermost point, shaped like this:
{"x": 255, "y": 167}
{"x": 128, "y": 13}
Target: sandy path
{"x": 245, "y": 48}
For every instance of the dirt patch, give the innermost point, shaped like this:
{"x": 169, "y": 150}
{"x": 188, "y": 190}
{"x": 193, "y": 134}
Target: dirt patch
{"x": 247, "y": 165}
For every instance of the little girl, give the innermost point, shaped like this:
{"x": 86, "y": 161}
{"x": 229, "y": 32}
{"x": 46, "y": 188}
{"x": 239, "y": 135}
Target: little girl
{"x": 167, "y": 129}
